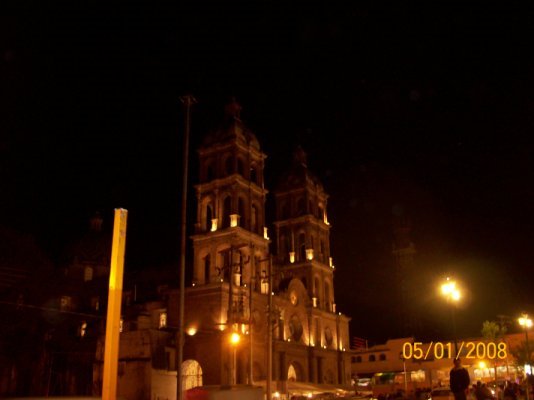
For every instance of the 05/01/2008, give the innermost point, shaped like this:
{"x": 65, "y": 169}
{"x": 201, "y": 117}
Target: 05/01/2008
{"x": 439, "y": 350}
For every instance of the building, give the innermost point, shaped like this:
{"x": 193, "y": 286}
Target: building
{"x": 404, "y": 363}
{"x": 233, "y": 258}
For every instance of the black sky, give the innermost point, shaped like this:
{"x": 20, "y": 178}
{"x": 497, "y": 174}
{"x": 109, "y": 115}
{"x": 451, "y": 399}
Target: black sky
{"x": 422, "y": 111}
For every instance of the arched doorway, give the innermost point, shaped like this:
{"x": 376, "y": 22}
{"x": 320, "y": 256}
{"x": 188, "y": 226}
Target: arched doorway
{"x": 294, "y": 372}
{"x": 191, "y": 374}
{"x": 291, "y": 373}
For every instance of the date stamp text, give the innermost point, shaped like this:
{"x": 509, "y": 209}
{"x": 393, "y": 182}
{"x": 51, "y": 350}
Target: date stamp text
{"x": 439, "y": 350}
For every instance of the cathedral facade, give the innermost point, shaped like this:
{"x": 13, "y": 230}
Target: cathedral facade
{"x": 239, "y": 267}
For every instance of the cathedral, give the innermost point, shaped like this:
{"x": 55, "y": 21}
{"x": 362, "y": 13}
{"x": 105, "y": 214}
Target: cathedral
{"x": 239, "y": 268}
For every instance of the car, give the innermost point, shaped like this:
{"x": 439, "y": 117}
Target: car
{"x": 441, "y": 393}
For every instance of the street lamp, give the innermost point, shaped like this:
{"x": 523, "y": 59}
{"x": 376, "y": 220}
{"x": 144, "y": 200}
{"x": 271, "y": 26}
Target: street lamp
{"x": 235, "y": 338}
{"x": 526, "y": 323}
{"x": 452, "y": 294}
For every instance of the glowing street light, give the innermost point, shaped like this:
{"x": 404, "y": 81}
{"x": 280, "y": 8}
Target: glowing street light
{"x": 526, "y": 323}
{"x": 452, "y": 294}
{"x": 450, "y": 291}
{"x": 235, "y": 338}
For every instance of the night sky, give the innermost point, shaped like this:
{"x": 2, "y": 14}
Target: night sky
{"x": 426, "y": 113}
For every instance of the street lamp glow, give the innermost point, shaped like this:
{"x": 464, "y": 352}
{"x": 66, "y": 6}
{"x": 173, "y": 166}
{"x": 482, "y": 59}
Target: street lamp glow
{"x": 525, "y": 321}
{"x": 450, "y": 291}
{"x": 235, "y": 338}
{"x": 448, "y": 287}
{"x": 481, "y": 365}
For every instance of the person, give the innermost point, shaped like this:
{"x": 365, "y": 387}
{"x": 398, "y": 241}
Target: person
{"x": 459, "y": 380}
{"x": 479, "y": 393}
{"x": 509, "y": 393}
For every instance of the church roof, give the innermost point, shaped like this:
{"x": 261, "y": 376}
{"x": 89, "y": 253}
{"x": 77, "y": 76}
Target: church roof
{"x": 232, "y": 128}
{"x": 298, "y": 175}
{"x": 92, "y": 248}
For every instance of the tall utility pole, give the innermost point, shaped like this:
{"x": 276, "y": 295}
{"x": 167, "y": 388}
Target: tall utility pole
{"x": 270, "y": 330}
{"x": 188, "y": 101}
{"x": 250, "y": 303}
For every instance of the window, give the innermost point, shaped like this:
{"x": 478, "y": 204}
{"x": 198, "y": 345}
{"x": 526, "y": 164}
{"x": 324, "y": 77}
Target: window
{"x": 382, "y": 357}
{"x": 210, "y": 172}
{"x": 240, "y": 167}
{"x": 327, "y": 296}
{"x": 229, "y": 166}
{"x": 253, "y": 177}
{"x": 264, "y": 283}
{"x": 65, "y": 303}
{"x": 162, "y": 320}
{"x": 227, "y": 206}
{"x": 241, "y": 212}
{"x": 372, "y": 358}
{"x": 88, "y": 274}
{"x": 284, "y": 211}
{"x": 301, "y": 207}
{"x": 254, "y": 219}
{"x": 209, "y": 217}
{"x": 83, "y": 329}
{"x": 302, "y": 247}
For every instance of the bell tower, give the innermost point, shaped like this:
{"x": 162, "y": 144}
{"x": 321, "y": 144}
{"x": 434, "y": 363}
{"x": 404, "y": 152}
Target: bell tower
{"x": 302, "y": 232}
{"x": 230, "y": 231}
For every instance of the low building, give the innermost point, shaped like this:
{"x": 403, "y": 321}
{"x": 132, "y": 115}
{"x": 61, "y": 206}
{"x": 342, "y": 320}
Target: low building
{"x": 406, "y": 364}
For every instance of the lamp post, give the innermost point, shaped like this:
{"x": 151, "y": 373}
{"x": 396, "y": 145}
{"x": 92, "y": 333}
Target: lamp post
{"x": 188, "y": 101}
{"x": 526, "y": 323}
{"x": 235, "y": 338}
{"x": 452, "y": 295}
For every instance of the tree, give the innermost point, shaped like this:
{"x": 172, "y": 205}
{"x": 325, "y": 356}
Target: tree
{"x": 491, "y": 332}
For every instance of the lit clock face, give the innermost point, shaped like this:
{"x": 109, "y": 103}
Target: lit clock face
{"x": 293, "y": 298}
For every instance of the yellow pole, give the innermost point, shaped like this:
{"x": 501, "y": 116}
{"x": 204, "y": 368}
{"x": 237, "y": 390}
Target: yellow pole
{"x": 111, "y": 351}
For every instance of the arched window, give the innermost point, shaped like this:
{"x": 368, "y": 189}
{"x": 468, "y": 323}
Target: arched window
{"x": 209, "y": 216}
{"x": 191, "y": 374}
{"x": 327, "y": 296}
{"x": 323, "y": 251}
{"x": 240, "y": 167}
{"x": 316, "y": 287}
{"x": 225, "y": 264}
{"x": 301, "y": 207}
{"x": 382, "y": 357}
{"x": 359, "y": 359}
{"x": 284, "y": 211}
{"x": 372, "y": 357}
{"x": 241, "y": 212}
{"x": 253, "y": 175}
{"x": 282, "y": 251}
{"x": 254, "y": 219}
{"x": 302, "y": 247}
{"x": 229, "y": 165}
{"x": 207, "y": 262}
{"x": 210, "y": 172}
{"x": 227, "y": 210}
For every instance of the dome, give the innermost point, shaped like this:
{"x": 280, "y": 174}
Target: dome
{"x": 232, "y": 128}
{"x": 94, "y": 248}
{"x": 299, "y": 175}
